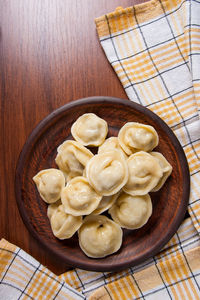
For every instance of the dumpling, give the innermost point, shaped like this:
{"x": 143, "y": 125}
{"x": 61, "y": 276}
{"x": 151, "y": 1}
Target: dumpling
{"x": 131, "y": 212}
{"x": 144, "y": 173}
{"x": 50, "y": 183}
{"x": 63, "y": 225}
{"x": 72, "y": 158}
{"x": 107, "y": 172}
{"x": 99, "y": 236}
{"x": 134, "y": 137}
{"x": 79, "y": 198}
{"x": 105, "y": 203}
{"x": 110, "y": 144}
{"x": 89, "y": 130}
{"x": 166, "y": 168}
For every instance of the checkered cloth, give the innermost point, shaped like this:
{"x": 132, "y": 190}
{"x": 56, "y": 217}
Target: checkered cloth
{"x": 23, "y": 277}
{"x": 154, "y": 49}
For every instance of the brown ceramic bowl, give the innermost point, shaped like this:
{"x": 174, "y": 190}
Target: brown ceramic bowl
{"x": 169, "y": 204}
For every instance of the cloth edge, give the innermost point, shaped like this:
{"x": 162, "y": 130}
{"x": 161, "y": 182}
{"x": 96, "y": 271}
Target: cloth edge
{"x": 144, "y": 11}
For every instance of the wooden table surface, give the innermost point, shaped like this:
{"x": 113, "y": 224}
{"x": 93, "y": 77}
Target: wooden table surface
{"x": 49, "y": 55}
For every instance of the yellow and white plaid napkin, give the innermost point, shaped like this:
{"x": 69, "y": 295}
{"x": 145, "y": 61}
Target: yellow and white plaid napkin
{"x": 155, "y": 50}
{"x": 23, "y": 277}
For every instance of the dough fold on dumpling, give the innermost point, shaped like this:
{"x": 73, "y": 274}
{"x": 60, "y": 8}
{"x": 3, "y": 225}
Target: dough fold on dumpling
{"x": 72, "y": 158}
{"x": 135, "y": 137}
{"x": 105, "y": 203}
{"x": 79, "y": 198}
{"x": 166, "y": 168}
{"x": 131, "y": 212}
{"x": 52, "y": 208}
{"x": 89, "y": 130}
{"x": 111, "y": 143}
{"x": 50, "y": 183}
{"x": 63, "y": 225}
{"x": 107, "y": 172}
{"x": 144, "y": 173}
{"x": 99, "y": 236}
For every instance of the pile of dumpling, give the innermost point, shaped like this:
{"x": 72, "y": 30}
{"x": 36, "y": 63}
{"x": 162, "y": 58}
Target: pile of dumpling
{"x": 118, "y": 179}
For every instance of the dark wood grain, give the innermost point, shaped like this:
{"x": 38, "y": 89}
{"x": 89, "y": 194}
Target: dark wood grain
{"x": 169, "y": 204}
{"x": 49, "y": 55}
